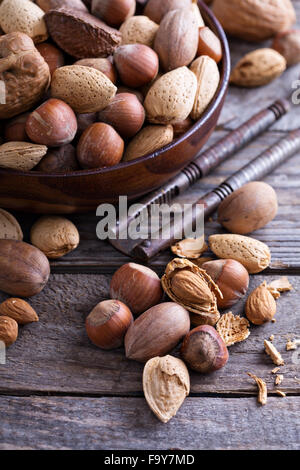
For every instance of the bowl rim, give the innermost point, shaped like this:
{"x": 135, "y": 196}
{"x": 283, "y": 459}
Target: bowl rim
{"x": 219, "y": 96}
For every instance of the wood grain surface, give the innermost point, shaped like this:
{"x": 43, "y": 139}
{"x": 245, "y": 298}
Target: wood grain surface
{"x": 58, "y": 391}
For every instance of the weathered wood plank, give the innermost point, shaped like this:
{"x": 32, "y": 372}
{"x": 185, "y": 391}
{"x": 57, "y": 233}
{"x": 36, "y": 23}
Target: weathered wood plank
{"x": 56, "y": 356}
{"x": 282, "y": 234}
{"x": 241, "y": 102}
{"x": 127, "y": 423}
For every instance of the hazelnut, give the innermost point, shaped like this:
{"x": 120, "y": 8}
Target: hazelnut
{"x": 54, "y": 236}
{"x": 59, "y": 160}
{"x": 53, "y": 124}
{"x": 181, "y": 127}
{"x": 52, "y": 55}
{"x": 8, "y": 330}
{"x": 84, "y": 121}
{"x": 157, "y": 9}
{"x": 137, "y": 286}
{"x": 203, "y": 350}
{"x": 209, "y": 44}
{"x": 287, "y": 44}
{"x": 137, "y": 93}
{"x": 47, "y": 5}
{"x": 103, "y": 65}
{"x": 14, "y": 130}
{"x": 231, "y": 277}
{"x": 137, "y": 64}
{"x": 125, "y": 114}
{"x": 107, "y": 324}
{"x": 100, "y": 146}
{"x": 113, "y": 12}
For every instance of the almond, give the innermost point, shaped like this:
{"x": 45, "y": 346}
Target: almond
{"x": 148, "y": 140}
{"x": 85, "y": 89}
{"x": 254, "y": 20}
{"x": 260, "y": 306}
{"x": 139, "y": 30}
{"x": 19, "y": 310}
{"x": 8, "y": 330}
{"x": 25, "y": 17}
{"x": 176, "y": 41}
{"x": 190, "y": 286}
{"x": 171, "y": 97}
{"x": 166, "y": 384}
{"x": 208, "y": 78}
{"x": 251, "y": 253}
{"x": 9, "y": 226}
{"x": 157, "y": 331}
{"x": 22, "y": 156}
{"x": 258, "y": 68}
{"x": 80, "y": 34}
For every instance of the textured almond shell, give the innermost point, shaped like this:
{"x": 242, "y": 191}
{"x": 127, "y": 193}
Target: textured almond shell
{"x": 23, "y": 16}
{"x": 251, "y": 253}
{"x": 202, "y": 314}
{"x": 80, "y": 34}
{"x": 166, "y": 384}
{"x": 258, "y": 68}
{"x": 208, "y": 79}
{"x": 176, "y": 41}
{"x": 21, "y": 156}
{"x": 55, "y": 236}
{"x": 233, "y": 328}
{"x": 171, "y": 97}
{"x": 9, "y": 226}
{"x": 139, "y": 30}
{"x": 157, "y": 331}
{"x": 260, "y": 306}
{"x": 24, "y": 74}
{"x": 148, "y": 140}
{"x": 85, "y": 89}
{"x": 254, "y": 20}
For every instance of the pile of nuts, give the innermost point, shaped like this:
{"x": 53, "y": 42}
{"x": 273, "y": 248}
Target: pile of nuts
{"x": 85, "y": 87}
{"x": 137, "y": 314}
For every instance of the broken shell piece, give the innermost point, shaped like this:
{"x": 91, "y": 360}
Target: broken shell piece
{"x": 291, "y": 345}
{"x": 190, "y": 248}
{"x": 282, "y": 284}
{"x": 273, "y": 353}
{"x": 233, "y": 328}
{"x": 192, "y": 288}
{"x": 278, "y": 379}
{"x": 166, "y": 384}
{"x": 280, "y": 393}
{"x": 275, "y": 370}
{"x": 262, "y": 389}
{"x": 271, "y": 338}
{"x": 274, "y": 292}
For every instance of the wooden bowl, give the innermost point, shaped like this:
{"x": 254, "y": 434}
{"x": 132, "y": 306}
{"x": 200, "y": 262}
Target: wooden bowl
{"x": 84, "y": 190}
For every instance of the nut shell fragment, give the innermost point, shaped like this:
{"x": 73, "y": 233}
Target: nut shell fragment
{"x": 262, "y": 389}
{"x": 251, "y": 253}
{"x": 190, "y": 286}
{"x": 233, "y": 328}
{"x": 22, "y": 156}
{"x": 166, "y": 384}
{"x": 191, "y": 248}
{"x": 273, "y": 353}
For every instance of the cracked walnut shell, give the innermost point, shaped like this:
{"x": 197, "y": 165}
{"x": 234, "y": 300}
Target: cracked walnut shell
{"x": 54, "y": 236}
{"x": 190, "y": 286}
{"x": 166, "y": 384}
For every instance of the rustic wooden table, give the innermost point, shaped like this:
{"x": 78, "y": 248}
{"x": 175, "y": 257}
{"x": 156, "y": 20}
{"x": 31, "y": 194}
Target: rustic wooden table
{"x": 57, "y": 391}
